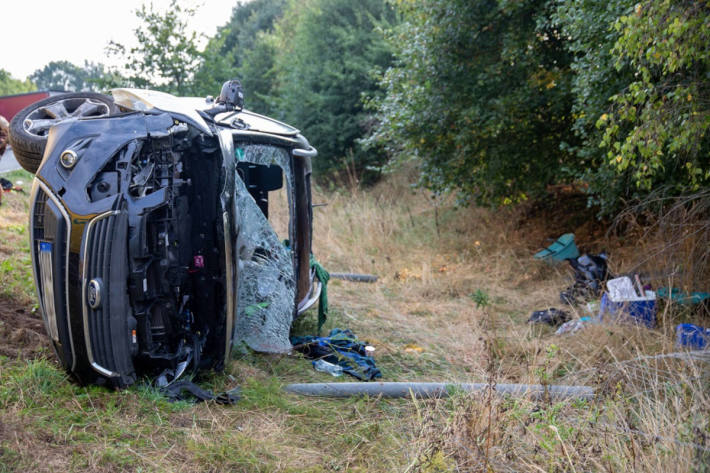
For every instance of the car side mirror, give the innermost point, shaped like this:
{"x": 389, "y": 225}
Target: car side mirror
{"x": 232, "y": 95}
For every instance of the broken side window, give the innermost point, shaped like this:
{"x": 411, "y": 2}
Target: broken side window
{"x": 266, "y": 283}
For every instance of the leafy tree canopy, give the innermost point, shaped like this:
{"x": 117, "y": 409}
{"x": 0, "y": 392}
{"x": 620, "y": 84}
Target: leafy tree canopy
{"x": 327, "y": 51}
{"x": 497, "y": 99}
{"x": 167, "y": 55}
{"x": 63, "y": 75}
{"x": 656, "y": 130}
{"x": 480, "y": 97}
{"x": 10, "y": 85}
{"x": 641, "y": 95}
{"x": 243, "y": 49}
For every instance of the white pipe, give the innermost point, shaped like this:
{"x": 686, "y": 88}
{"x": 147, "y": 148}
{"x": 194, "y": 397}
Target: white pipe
{"x": 354, "y": 277}
{"x": 436, "y": 390}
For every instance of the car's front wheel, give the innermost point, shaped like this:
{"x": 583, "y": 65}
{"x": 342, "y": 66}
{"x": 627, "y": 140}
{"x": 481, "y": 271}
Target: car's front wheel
{"x": 29, "y": 129}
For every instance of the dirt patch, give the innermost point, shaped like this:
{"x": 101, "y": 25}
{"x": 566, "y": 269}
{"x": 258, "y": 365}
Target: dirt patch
{"x": 22, "y": 332}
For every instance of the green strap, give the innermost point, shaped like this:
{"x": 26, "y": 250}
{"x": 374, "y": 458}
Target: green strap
{"x": 323, "y": 276}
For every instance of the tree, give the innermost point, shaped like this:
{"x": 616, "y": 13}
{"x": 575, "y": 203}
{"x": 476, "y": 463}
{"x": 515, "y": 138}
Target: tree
{"x": 63, "y": 75}
{"x": 588, "y": 27}
{"x": 216, "y": 67}
{"x": 167, "y": 55}
{"x": 479, "y": 98}
{"x": 641, "y": 96}
{"x": 249, "y": 19}
{"x": 326, "y": 53}
{"x": 657, "y": 127}
{"x": 243, "y": 48}
{"x": 10, "y": 86}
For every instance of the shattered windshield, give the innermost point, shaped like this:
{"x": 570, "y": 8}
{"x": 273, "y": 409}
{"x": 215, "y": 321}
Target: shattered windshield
{"x": 266, "y": 278}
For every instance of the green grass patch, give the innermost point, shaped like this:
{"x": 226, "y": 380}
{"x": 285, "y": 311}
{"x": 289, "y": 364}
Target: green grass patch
{"x": 21, "y": 175}
{"x": 16, "y": 280}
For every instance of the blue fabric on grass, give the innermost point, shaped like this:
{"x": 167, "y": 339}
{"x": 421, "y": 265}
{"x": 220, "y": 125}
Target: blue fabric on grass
{"x": 342, "y": 348}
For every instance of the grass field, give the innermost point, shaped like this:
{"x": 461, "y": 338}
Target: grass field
{"x": 455, "y": 290}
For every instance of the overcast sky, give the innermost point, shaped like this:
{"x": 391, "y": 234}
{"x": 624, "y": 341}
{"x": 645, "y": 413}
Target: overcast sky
{"x": 35, "y": 32}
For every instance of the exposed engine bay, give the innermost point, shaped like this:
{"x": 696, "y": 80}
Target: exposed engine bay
{"x": 176, "y": 272}
{"x": 166, "y": 190}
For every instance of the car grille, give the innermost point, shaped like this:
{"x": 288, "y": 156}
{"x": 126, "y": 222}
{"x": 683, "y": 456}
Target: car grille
{"x": 97, "y": 267}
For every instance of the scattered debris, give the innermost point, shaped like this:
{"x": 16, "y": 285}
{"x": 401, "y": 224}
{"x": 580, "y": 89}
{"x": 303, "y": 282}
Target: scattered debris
{"x": 323, "y": 277}
{"x": 592, "y": 308}
{"x": 622, "y": 289}
{"x": 7, "y": 186}
{"x": 341, "y": 348}
{"x": 551, "y": 316}
{"x": 562, "y": 249}
{"x": 590, "y": 272}
{"x": 679, "y": 297}
{"x": 326, "y": 367}
{"x": 412, "y": 348}
{"x": 188, "y": 391}
{"x": 573, "y": 326}
{"x": 692, "y": 336}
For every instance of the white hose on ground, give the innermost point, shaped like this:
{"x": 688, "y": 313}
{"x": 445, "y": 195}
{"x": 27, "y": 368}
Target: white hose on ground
{"x": 436, "y": 390}
{"x": 354, "y": 277}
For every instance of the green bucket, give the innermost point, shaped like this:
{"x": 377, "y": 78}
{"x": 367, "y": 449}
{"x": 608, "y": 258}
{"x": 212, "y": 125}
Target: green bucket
{"x": 562, "y": 249}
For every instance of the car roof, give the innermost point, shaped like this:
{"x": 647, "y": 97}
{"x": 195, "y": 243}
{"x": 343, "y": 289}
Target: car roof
{"x": 188, "y": 107}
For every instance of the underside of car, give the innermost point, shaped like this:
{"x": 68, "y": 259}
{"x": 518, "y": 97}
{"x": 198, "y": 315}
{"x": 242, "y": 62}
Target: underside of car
{"x": 152, "y": 248}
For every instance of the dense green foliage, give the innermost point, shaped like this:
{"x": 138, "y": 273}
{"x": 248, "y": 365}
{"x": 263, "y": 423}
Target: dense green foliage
{"x": 480, "y": 97}
{"x": 641, "y": 95}
{"x": 308, "y": 63}
{"x": 588, "y": 35}
{"x": 242, "y": 48}
{"x": 327, "y": 51}
{"x": 10, "y": 85}
{"x": 498, "y": 99}
{"x": 657, "y": 127}
{"x": 63, "y": 75}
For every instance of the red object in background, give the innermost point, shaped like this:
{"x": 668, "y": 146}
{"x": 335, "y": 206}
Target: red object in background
{"x": 11, "y": 104}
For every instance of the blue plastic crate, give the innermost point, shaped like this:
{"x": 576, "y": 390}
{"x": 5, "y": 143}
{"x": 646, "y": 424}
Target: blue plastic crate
{"x": 639, "y": 311}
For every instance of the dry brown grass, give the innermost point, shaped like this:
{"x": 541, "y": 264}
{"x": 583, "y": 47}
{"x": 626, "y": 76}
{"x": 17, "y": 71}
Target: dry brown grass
{"x": 431, "y": 258}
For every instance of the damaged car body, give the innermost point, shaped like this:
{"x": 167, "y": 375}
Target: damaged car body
{"x": 151, "y": 244}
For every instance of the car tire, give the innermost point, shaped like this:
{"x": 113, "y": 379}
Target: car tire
{"x": 29, "y": 128}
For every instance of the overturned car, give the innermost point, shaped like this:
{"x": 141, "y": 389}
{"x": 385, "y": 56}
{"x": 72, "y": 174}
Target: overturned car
{"x": 152, "y": 248}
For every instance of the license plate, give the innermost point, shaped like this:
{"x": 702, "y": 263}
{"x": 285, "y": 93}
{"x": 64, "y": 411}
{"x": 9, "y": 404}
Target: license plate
{"x": 47, "y": 282}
